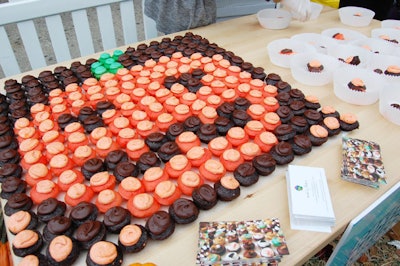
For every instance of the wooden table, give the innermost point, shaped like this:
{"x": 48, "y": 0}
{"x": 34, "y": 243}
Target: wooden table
{"x": 268, "y": 198}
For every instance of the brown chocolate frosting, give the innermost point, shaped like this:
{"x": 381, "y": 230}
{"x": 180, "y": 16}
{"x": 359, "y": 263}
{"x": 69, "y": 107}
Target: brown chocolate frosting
{"x": 169, "y": 147}
{"x": 207, "y": 193}
{"x": 283, "y": 129}
{"x": 245, "y": 169}
{"x": 155, "y": 137}
{"x": 283, "y": 148}
{"x": 247, "y": 66}
{"x": 184, "y": 208}
{"x": 6, "y": 141}
{"x": 264, "y": 160}
{"x": 9, "y": 155}
{"x": 297, "y": 105}
{"x": 225, "y": 109}
{"x": 296, "y": 94}
{"x": 65, "y": 119}
{"x": 125, "y": 169}
{"x": 223, "y": 121}
{"x": 283, "y": 98}
{"x": 82, "y": 210}
{"x": 10, "y": 169}
{"x": 12, "y": 183}
{"x": 302, "y": 141}
{"x": 192, "y": 123}
{"x": 88, "y": 230}
{"x": 116, "y": 156}
{"x": 149, "y": 158}
{"x": 93, "y": 120}
{"x": 103, "y": 106}
{"x": 94, "y": 165}
{"x": 208, "y": 129}
{"x": 258, "y": 73}
{"x": 272, "y": 78}
{"x": 25, "y": 79}
{"x": 159, "y": 222}
{"x": 59, "y": 224}
{"x": 298, "y": 121}
{"x": 175, "y": 130}
{"x": 242, "y": 103}
{"x": 283, "y": 86}
{"x": 86, "y": 112}
{"x": 284, "y": 111}
{"x": 49, "y": 205}
{"x": 312, "y": 115}
{"x": 241, "y": 115}
{"x": 115, "y": 216}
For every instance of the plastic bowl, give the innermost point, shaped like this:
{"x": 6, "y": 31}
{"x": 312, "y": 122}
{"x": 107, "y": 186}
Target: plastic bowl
{"x": 320, "y": 42}
{"x": 356, "y": 16}
{"x": 348, "y": 35}
{"x": 391, "y": 23}
{"x": 283, "y": 60}
{"x": 388, "y": 98}
{"x": 274, "y": 19}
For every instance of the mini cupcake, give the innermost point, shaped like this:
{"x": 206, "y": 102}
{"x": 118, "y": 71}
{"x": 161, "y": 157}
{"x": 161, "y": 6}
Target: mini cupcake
{"x": 155, "y": 140}
{"x": 174, "y": 131}
{"x": 101, "y": 181}
{"x": 108, "y": 199}
{"x": 264, "y": 164}
{"x": 212, "y": 170}
{"x": 115, "y": 157}
{"x": 166, "y": 192}
{"x": 92, "y": 166}
{"x": 104, "y": 253}
{"x": 223, "y": 125}
{"x": 246, "y": 174}
{"x": 160, "y": 225}
{"x": 12, "y": 185}
{"x": 27, "y": 242}
{"x": 318, "y": 135}
{"x": 116, "y": 218}
{"x": 204, "y": 197}
{"x": 207, "y": 132}
{"x": 50, "y": 208}
{"x": 329, "y": 111}
{"x": 142, "y": 205}
{"x": 282, "y": 153}
{"x": 332, "y": 125}
{"x": 82, "y": 212}
{"x": 18, "y": 202}
{"x": 147, "y": 160}
{"x": 33, "y": 260}
{"x": 168, "y": 150}
{"x": 59, "y": 225}
{"x": 183, "y": 211}
{"x": 132, "y": 238}
{"x": 22, "y": 220}
{"x": 186, "y": 140}
{"x": 348, "y": 122}
{"x": 301, "y": 144}
{"x": 237, "y": 136}
{"x": 89, "y": 233}
{"x": 227, "y": 188}
{"x": 284, "y": 132}
{"x": 312, "y": 102}
{"x": 62, "y": 250}
{"x": 313, "y": 117}
{"x": 77, "y": 193}
{"x": 125, "y": 169}
{"x": 192, "y": 123}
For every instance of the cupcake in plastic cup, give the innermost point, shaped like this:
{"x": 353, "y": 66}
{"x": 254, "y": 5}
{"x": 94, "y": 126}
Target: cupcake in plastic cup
{"x": 356, "y": 85}
{"x": 391, "y": 23}
{"x": 356, "y": 16}
{"x": 313, "y": 69}
{"x": 375, "y": 46}
{"x": 387, "y": 66}
{"x": 320, "y": 42}
{"x": 282, "y": 50}
{"x": 350, "y": 55}
{"x": 389, "y": 102}
{"x": 392, "y": 36}
{"x": 343, "y": 35}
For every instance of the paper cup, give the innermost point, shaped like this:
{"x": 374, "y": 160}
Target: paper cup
{"x": 390, "y": 35}
{"x": 389, "y": 100}
{"x": 343, "y": 76}
{"x": 375, "y": 46}
{"x": 356, "y": 16}
{"x": 283, "y": 60}
{"x": 348, "y": 35}
{"x": 344, "y": 52}
{"x": 301, "y": 73}
{"x": 391, "y": 23}
{"x": 320, "y": 42}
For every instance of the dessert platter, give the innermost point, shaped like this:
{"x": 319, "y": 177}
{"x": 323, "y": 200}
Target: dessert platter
{"x": 101, "y": 158}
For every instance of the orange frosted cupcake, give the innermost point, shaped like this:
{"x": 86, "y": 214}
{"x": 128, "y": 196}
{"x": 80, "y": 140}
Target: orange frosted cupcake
{"x": 163, "y": 94}
{"x": 212, "y": 170}
{"x": 256, "y": 111}
{"x": 237, "y": 136}
{"x": 154, "y": 110}
{"x": 54, "y": 148}
{"x": 218, "y": 145}
{"x": 27, "y": 133}
{"x": 255, "y": 96}
{"x": 232, "y": 82}
{"x": 36, "y": 108}
{"x": 189, "y": 181}
{"x": 186, "y": 140}
{"x": 188, "y": 98}
{"x": 105, "y": 145}
{"x": 170, "y": 103}
{"x": 135, "y": 148}
{"x": 32, "y": 157}
{"x": 41, "y": 116}
{"x": 73, "y": 127}
{"x": 127, "y": 108}
{"x": 58, "y": 110}
{"x": 266, "y": 140}
{"x": 77, "y": 105}
{"x": 197, "y": 155}
{"x": 144, "y": 103}
{"x": 98, "y": 133}
{"x": 270, "y": 90}
{"x": 177, "y": 165}
{"x": 243, "y": 89}
{"x": 44, "y": 189}
{"x": 121, "y": 99}
{"x": 318, "y": 135}
{"x": 77, "y": 193}
{"x": 125, "y": 135}
{"x": 208, "y": 115}
{"x": 101, "y": 181}
{"x": 249, "y": 150}
{"x": 218, "y": 86}
{"x": 143, "y": 205}
{"x": 137, "y": 116}
{"x": 107, "y": 199}
{"x": 46, "y": 126}
{"x": 77, "y": 139}
{"x": 197, "y": 106}
{"x": 231, "y": 159}
{"x": 214, "y": 101}
{"x": 110, "y": 115}
{"x": 36, "y": 173}
{"x": 229, "y": 95}
{"x": 152, "y": 177}
{"x": 145, "y": 128}
{"x": 253, "y": 128}
{"x": 52, "y": 136}
{"x": 270, "y": 121}
{"x": 204, "y": 92}
{"x": 257, "y": 84}
{"x": 181, "y": 112}
{"x": 166, "y": 193}
{"x": 68, "y": 178}
{"x": 129, "y": 187}
{"x": 270, "y": 104}
{"x": 23, "y": 122}
{"x": 59, "y": 163}
{"x": 82, "y": 154}
{"x": 164, "y": 120}
{"x": 29, "y": 145}
{"x": 117, "y": 124}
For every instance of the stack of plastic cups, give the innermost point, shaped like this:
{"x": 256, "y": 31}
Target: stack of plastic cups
{"x": 107, "y": 63}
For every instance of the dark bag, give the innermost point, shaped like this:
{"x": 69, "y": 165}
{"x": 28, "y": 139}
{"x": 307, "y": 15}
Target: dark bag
{"x": 394, "y": 12}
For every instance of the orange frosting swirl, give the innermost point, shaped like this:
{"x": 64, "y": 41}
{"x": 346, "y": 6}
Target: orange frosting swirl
{"x": 348, "y": 118}
{"x": 18, "y": 221}
{"x": 25, "y": 239}
{"x": 178, "y": 162}
{"x": 143, "y": 201}
{"x": 130, "y": 235}
{"x": 103, "y": 252}
{"x": 231, "y": 155}
{"x": 76, "y": 191}
{"x": 99, "y": 178}
{"x": 229, "y": 182}
{"x": 195, "y": 152}
{"x": 60, "y": 247}
{"x": 214, "y": 166}
{"x": 165, "y": 189}
{"x": 106, "y": 196}
{"x": 318, "y": 131}
{"x": 190, "y": 179}
{"x": 153, "y": 173}
{"x": 331, "y": 122}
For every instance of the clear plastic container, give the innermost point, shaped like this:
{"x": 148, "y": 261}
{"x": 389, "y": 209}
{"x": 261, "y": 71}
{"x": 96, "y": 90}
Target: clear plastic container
{"x": 320, "y": 42}
{"x": 375, "y": 46}
{"x": 274, "y": 19}
{"x": 389, "y": 102}
{"x": 391, "y": 23}
{"x": 281, "y": 59}
{"x": 381, "y": 63}
{"x": 356, "y": 16}
{"x": 347, "y": 34}
{"x": 390, "y": 35}
{"x": 343, "y": 52}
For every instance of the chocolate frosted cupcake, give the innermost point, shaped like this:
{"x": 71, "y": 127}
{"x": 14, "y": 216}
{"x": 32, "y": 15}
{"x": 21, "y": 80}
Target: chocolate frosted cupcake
{"x": 168, "y": 150}
{"x": 27, "y": 242}
{"x": 18, "y": 202}
{"x": 89, "y": 233}
{"x": 8, "y": 142}
{"x": 50, "y": 208}
{"x": 9, "y": 156}
{"x": 329, "y": 111}
{"x": 226, "y": 109}
{"x": 284, "y": 132}
{"x": 227, "y": 188}
{"x": 284, "y": 98}
{"x": 301, "y": 144}
{"x": 59, "y": 225}
{"x": 147, "y": 160}
{"x": 264, "y": 164}
{"x": 207, "y": 132}
{"x": 155, "y": 140}
{"x": 103, "y": 106}
{"x": 312, "y": 102}
{"x": 204, "y": 197}
{"x": 85, "y": 112}
{"x": 284, "y": 113}
{"x": 132, "y": 238}
{"x": 240, "y": 117}
{"x": 125, "y": 169}
{"x": 174, "y": 131}
{"x": 22, "y": 220}
{"x": 246, "y": 174}
{"x": 282, "y": 153}
{"x": 313, "y": 117}
{"x": 92, "y": 166}
{"x": 62, "y": 251}
{"x": 241, "y": 103}
{"x": 272, "y": 78}
{"x": 10, "y": 169}
{"x": 192, "y": 123}
{"x": 299, "y": 124}
{"x": 65, "y": 119}
{"x": 115, "y": 218}
{"x": 160, "y": 225}
{"x": 92, "y": 122}
{"x": 12, "y": 185}
{"x": 104, "y": 253}
{"x": 223, "y": 125}
{"x": 183, "y": 211}
{"x": 298, "y": 107}
{"x": 84, "y": 211}
{"x": 115, "y": 157}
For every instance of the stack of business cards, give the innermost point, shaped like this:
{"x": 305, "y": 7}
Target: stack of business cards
{"x": 310, "y": 204}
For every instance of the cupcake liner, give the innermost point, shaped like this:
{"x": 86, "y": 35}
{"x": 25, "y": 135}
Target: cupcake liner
{"x": 343, "y": 76}
{"x": 301, "y": 73}
{"x": 356, "y": 16}
{"x": 344, "y": 51}
{"x": 388, "y": 98}
{"x": 349, "y": 35}
{"x": 382, "y": 62}
{"x": 391, "y": 23}
{"x": 283, "y": 60}
{"x": 375, "y": 45}
{"x": 320, "y": 42}
{"x": 392, "y": 35}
